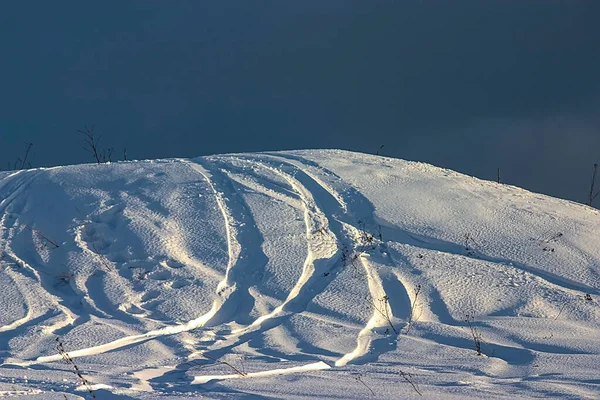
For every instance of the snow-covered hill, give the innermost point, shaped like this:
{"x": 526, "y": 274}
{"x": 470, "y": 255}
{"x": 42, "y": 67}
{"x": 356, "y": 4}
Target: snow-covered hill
{"x": 307, "y": 274}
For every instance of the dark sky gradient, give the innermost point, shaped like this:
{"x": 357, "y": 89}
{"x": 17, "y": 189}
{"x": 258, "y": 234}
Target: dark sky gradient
{"x": 468, "y": 85}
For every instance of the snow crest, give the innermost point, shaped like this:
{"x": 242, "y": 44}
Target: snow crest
{"x": 302, "y": 274}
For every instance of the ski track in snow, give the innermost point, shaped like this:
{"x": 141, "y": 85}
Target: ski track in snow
{"x": 341, "y": 219}
{"x": 225, "y": 289}
{"x": 29, "y": 281}
{"x": 343, "y": 232}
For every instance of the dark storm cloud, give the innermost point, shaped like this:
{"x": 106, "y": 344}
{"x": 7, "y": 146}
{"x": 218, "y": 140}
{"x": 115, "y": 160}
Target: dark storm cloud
{"x": 469, "y": 85}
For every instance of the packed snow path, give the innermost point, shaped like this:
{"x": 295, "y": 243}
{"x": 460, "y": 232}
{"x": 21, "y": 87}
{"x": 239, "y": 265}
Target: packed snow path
{"x": 308, "y": 274}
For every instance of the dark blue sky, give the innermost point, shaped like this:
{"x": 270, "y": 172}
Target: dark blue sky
{"x": 468, "y": 85}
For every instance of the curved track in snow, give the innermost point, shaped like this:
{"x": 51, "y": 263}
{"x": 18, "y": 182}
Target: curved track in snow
{"x": 300, "y": 273}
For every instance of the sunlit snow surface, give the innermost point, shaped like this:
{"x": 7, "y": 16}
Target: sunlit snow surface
{"x": 307, "y": 274}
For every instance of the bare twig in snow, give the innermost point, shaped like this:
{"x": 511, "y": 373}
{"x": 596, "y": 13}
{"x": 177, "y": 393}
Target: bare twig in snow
{"x": 411, "y": 317}
{"x": 592, "y": 196}
{"x": 91, "y": 141}
{"x": 359, "y": 379}
{"x": 560, "y": 311}
{"x": 103, "y": 260}
{"x": 44, "y": 237}
{"x": 366, "y": 238}
{"x": 471, "y": 245}
{"x": 408, "y": 378}
{"x": 238, "y": 371}
{"x": 28, "y": 147}
{"x": 77, "y": 371}
{"x": 384, "y": 310}
{"x": 475, "y": 333}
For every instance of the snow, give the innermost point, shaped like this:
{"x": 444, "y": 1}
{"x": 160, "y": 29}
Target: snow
{"x": 299, "y": 274}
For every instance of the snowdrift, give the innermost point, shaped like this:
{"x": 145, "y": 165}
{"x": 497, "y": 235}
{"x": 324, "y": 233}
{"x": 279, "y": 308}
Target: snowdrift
{"x": 305, "y": 274}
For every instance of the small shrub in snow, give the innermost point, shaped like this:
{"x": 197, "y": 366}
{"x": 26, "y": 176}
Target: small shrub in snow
{"x": 382, "y": 307}
{"x": 412, "y": 318}
{"x": 475, "y": 333}
{"x": 91, "y": 142}
{"x": 545, "y": 242}
{"x": 21, "y": 163}
{"x": 65, "y": 278}
{"x": 91, "y": 146}
{"x": 471, "y": 245}
{"x": 366, "y": 238}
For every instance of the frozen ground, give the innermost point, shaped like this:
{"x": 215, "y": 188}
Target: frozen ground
{"x": 307, "y": 274}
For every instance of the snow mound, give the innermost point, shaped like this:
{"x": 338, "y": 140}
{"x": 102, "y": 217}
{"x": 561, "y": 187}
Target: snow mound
{"x": 305, "y": 274}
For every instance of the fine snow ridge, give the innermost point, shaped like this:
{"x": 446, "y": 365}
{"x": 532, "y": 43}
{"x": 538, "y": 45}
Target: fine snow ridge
{"x": 310, "y": 274}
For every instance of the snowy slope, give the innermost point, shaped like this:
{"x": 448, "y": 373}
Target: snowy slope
{"x": 307, "y": 274}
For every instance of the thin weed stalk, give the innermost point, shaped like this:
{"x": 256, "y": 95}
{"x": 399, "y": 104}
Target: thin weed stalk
{"x": 61, "y": 350}
{"x": 384, "y": 311}
{"x": 51, "y": 243}
{"x": 475, "y": 333}
{"x": 411, "y": 318}
{"x": 359, "y": 379}
{"x": 408, "y": 378}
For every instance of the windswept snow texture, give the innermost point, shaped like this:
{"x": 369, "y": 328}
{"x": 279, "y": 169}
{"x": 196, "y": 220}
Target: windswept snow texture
{"x": 307, "y": 274}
